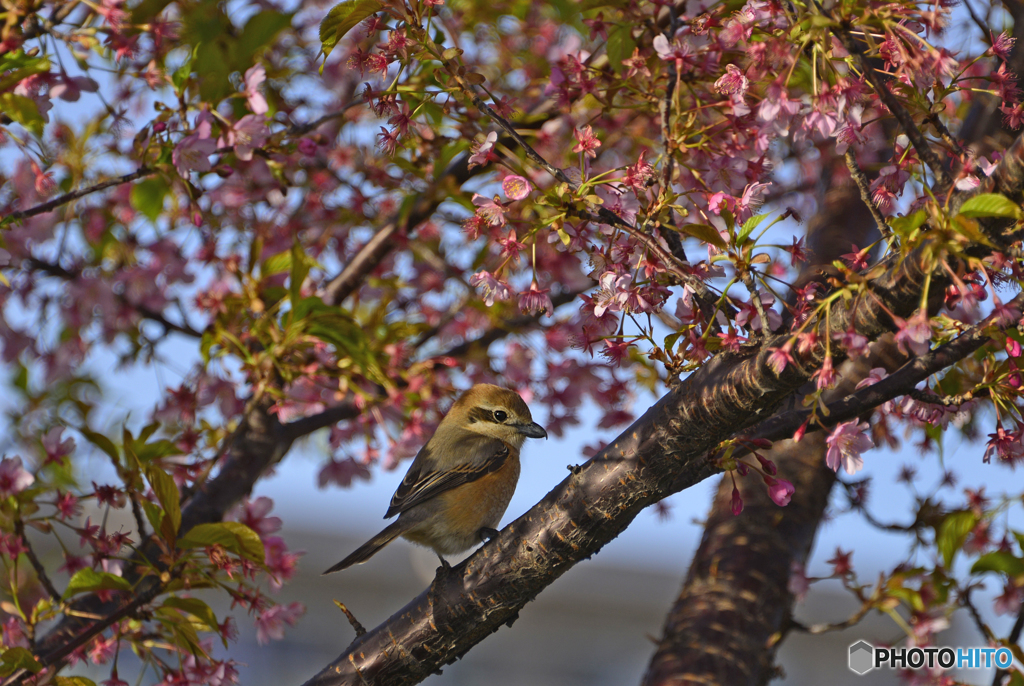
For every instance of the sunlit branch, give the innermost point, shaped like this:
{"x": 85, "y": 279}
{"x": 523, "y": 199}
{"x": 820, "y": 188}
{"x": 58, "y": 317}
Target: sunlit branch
{"x": 920, "y": 143}
{"x": 664, "y": 451}
{"x": 71, "y": 196}
{"x": 901, "y": 382}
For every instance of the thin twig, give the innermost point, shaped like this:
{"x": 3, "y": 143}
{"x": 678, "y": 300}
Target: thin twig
{"x": 332, "y": 415}
{"x": 900, "y": 382}
{"x": 19, "y": 530}
{"x": 894, "y": 106}
{"x": 51, "y": 205}
{"x": 54, "y": 269}
{"x": 360, "y": 629}
{"x": 755, "y": 300}
{"x": 865, "y": 192}
{"x": 948, "y": 400}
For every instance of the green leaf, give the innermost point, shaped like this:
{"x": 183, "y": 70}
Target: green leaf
{"x": 88, "y": 580}
{"x": 148, "y": 195}
{"x": 620, "y": 46}
{"x": 103, "y": 443}
{"x": 22, "y": 110}
{"x": 990, "y": 205}
{"x": 260, "y": 31}
{"x": 342, "y": 18}
{"x": 952, "y": 532}
{"x": 196, "y": 608}
{"x": 748, "y": 228}
{"x": 704, "y": 232}
{"x": 73, "y": 681}
{"x": 905, "y": 225}
{"x": 18, "y": 66}
{"x": 167, "y": 493}
{"x": 235, "y": 536}
{"x": 154, "y": 514}
{"x": 147, "y": 452}
{"x": 276, "y": 264}
{"x": 999, "y": 561}
{"x": 22, "y": 658}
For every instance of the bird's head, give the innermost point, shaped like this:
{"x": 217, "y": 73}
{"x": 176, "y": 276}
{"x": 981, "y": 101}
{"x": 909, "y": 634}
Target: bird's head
{"x": 495, "y": 412}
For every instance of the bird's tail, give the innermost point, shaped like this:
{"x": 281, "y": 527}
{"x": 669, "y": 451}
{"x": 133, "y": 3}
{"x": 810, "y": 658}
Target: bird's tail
{"x": 370, "y": 548}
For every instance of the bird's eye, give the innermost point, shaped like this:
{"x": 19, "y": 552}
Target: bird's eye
{"x": 500, "y": 415}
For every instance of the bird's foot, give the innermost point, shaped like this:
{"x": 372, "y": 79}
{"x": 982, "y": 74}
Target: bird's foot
{"x": 445, "y": 568}
{"x": 486, "y": 534}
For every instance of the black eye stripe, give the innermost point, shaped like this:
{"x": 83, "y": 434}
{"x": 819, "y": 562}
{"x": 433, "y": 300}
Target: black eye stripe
{"x": 482, "y": 414}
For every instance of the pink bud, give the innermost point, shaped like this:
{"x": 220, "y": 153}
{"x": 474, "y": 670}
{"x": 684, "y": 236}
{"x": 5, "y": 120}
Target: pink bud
{"x": 159, "y": 127}
{"x": 1012, "y": 347}
{"x": 742, "y": 469}
{"x": 766, "y": 464}
{"x": 306, "y": 146}
{"x": 737, "y": 501}
{"x": 197, "y": 218}
{"x": 779, "y": 490}
{"x": 1014, "y": 380}
{"x": 801, "y": 431}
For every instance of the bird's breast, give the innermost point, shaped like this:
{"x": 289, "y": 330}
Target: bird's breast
{"x": 482, "y": 503}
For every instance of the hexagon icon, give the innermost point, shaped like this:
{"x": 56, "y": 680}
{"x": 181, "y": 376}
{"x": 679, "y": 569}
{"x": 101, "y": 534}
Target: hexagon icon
{"x": 862, "y": 657}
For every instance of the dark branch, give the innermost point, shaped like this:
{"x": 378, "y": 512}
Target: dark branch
{"x": 664, "y": 451}
{"x": 51, "y": 205}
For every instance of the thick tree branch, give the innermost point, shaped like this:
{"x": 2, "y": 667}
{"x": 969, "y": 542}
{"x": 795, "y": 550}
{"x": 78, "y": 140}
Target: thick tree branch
{"x": 664, "y": 451}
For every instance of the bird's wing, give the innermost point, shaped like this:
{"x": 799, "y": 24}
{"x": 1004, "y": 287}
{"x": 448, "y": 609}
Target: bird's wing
{"x": 419, "y": 485}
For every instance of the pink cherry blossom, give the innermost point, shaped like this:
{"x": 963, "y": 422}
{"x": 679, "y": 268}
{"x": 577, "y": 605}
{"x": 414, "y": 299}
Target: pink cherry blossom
{"x": 192, "y": 153}
{"x": 515, "y": 187}
{"x": 254, "y": 76}
{"x": 14, "y": 478}
{"x": 494, "y": 289}
{"x": 270, "y": 623}
{"x": 587, "y": 142}
{"x": 536, "y": 301}
{"x": 845, "y": 443}
{"x": 484, "y": 152}
{"x": 779, "y": 490}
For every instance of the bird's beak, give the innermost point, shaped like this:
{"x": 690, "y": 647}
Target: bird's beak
{"x": 532, "y": 430}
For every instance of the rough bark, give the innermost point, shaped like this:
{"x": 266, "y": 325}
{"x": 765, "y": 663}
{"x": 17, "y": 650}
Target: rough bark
{"x": 736, "y": 588}
{"x": 664, "y": 451}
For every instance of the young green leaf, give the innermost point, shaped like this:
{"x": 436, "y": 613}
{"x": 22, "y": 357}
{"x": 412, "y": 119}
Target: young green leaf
{"x": 342, "y": 18}
{"x": 991, "y": 205}
{"x": 88, "y": 580}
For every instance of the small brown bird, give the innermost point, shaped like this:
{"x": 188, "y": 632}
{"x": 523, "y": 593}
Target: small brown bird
{"x": 462, "y": 480}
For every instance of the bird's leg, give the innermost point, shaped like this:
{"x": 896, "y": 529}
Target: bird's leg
{"x": 487, "y": 533}
{"x": 445, "y": 567}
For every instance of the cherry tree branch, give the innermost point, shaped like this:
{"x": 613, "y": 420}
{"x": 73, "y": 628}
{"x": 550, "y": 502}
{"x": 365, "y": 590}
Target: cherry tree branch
{"x": 664, "y": 451}
{"x": 857, "y": 174}
{"x": 901, "y": 382}
{"x": 917, "y": 139}
{"x": 71, "y": 196}
{"x": 53, "y": 269}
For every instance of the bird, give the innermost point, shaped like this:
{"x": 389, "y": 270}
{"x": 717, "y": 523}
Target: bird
{"x": 461, "y": 481}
